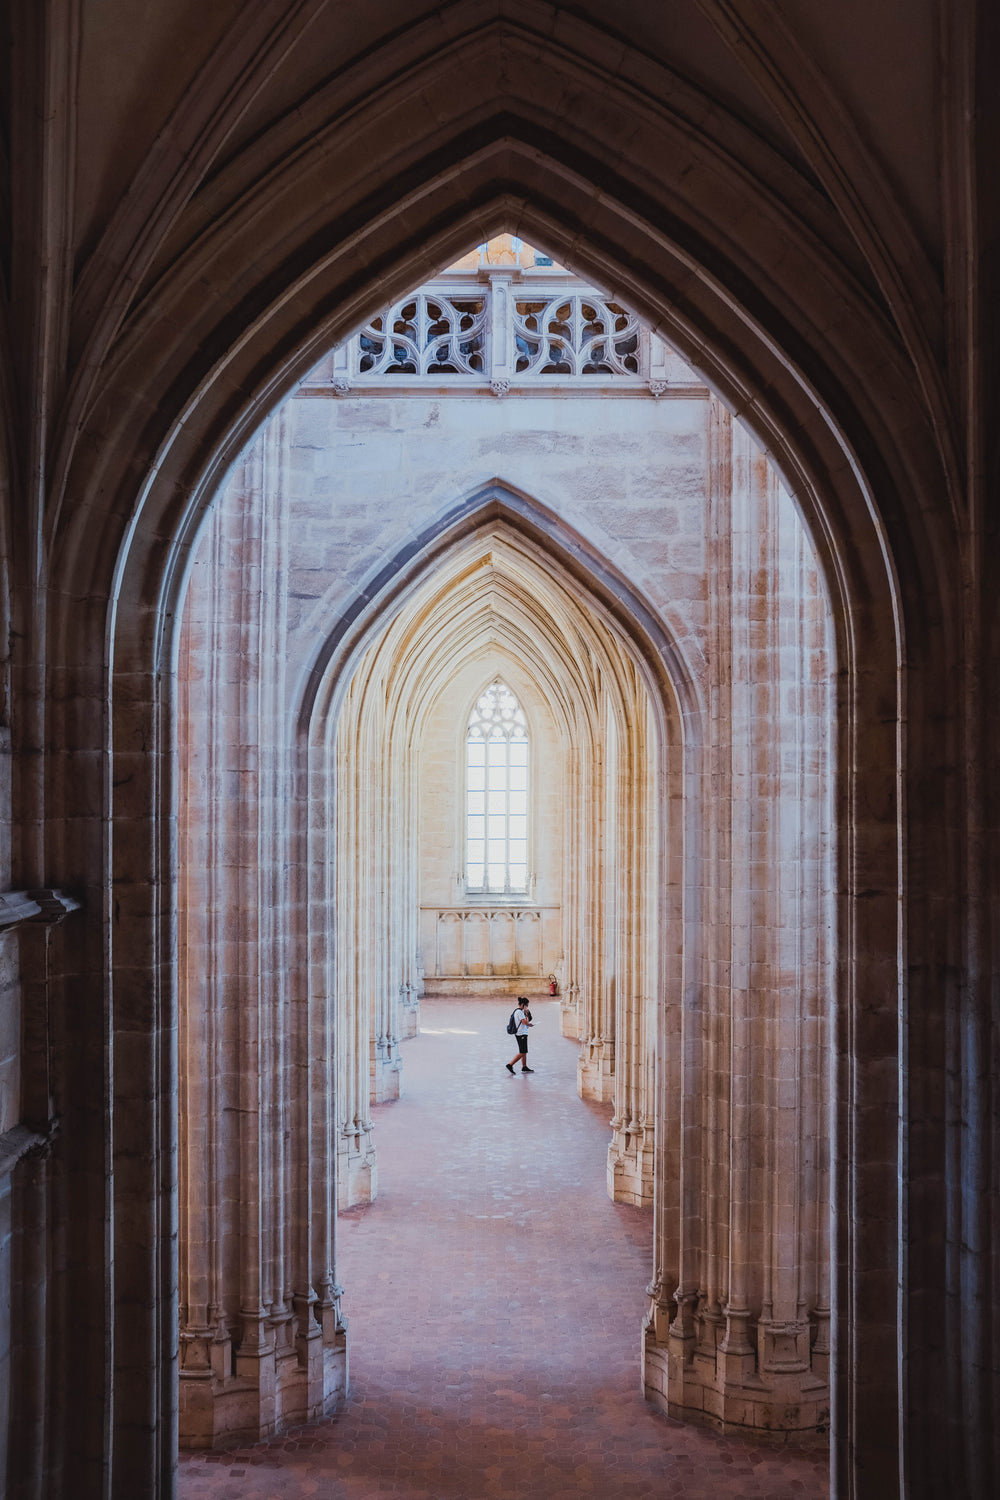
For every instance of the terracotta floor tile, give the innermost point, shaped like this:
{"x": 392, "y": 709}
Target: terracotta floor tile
{"x": 495, "y": 1297}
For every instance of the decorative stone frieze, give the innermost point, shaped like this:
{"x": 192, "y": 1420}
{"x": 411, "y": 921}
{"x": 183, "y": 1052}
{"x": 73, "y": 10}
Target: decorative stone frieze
{"x": 518, "y": 948}
{"x": 503, "y": 328}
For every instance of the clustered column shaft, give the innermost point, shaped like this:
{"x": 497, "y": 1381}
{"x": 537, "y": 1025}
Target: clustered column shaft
{"x": 741, "y": 1334}
{"x": 262, "y": 1344}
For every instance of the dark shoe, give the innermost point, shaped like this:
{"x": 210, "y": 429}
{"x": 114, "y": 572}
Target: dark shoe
{"x": 510, "y": 1068}
{"x": 527, "y": 1070}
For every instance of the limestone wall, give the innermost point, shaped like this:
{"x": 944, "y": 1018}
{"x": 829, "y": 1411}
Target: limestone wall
{"x": 680, "y": 708}
{"x": 367, "y": 474}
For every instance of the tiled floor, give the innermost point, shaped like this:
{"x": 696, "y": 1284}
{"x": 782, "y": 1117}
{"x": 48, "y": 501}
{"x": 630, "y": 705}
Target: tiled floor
{"x": 495, "y": 1297}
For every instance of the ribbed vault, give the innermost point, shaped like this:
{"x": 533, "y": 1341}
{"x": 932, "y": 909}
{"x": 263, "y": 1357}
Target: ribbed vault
{"x": 497, "y": 604}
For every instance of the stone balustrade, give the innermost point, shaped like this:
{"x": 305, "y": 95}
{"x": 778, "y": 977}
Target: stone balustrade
{"x": 510, "y": 329}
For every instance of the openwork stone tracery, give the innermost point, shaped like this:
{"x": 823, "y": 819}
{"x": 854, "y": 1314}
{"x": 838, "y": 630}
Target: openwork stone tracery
{"x": 575, "y": 335}
{"x": 425, "y": 335}
{"x": 507, "y": 326}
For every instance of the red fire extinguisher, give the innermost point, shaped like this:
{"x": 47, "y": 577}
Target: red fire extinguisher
{"x": 553, "y": 987}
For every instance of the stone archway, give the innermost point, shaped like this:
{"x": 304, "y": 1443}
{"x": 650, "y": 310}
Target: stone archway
{"x": 500, "y": 543}
{"x": 665, "y": 1326}
{"x": 500, "y": 597}
{"x": 192, "y": 376}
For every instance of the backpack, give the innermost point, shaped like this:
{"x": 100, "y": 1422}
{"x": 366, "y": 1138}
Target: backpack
{"x": 512, "y": 1024}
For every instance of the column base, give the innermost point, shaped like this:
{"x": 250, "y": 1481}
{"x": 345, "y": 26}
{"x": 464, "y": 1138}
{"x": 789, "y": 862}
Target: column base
{"x": 595, "y": 1072}
{"x": 631, "y": 1166}
{"x": 226, "y": 1410}
{"x": 357, "y": 1169}
{"x": 688, "y": 1384}
{"x": 569, "y": 1017}
{"x": 409, "y": 1015}
{"x": 387, "y": 1068}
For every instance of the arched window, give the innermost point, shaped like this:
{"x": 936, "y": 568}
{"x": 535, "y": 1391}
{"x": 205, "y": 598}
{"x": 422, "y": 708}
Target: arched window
{"x": 496, "y": 794}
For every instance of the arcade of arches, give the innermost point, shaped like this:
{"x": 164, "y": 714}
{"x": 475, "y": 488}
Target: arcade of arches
{"x": 273, "y": 523}
{"x": 674, "y": 844}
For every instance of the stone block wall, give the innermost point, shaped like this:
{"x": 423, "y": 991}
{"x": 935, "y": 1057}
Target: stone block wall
{"x": 681, "y": 840}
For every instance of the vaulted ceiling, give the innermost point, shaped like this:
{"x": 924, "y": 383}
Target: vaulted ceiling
{"x": 204, "y": 197}
{"x": 137, "y": 134}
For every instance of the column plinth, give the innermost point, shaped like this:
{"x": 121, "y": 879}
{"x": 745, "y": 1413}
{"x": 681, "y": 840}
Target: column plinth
{"x": 388, "y": 1067}
{"x": 821, "y": 1343}
{"x": 595, "y": 1071}
{"x": 569, "y": 1013}
{"x": 357, "y": 1173}
{"x": 705, "y": 1369}
{"x": 409, "y": 1012}
{"x": 631, "y": 1165}
{"x": 289, "y": 1370}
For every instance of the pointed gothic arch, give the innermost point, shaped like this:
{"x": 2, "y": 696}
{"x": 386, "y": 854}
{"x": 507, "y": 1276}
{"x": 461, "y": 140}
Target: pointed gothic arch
{"x": 586, "y": 637}
{"x": 420, "y": 581}
{"x": 193, "y": 411}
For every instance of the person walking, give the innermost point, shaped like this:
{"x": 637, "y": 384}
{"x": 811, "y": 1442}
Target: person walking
{"x": 522, "y": 1017}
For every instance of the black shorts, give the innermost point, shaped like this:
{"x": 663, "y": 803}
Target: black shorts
{"x": 522, "y": 1044}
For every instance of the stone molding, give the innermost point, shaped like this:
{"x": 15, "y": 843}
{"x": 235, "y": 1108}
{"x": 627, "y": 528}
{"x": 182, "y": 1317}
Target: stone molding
{"x": 21, "y": 1141}
{"x": 46, "y": 906}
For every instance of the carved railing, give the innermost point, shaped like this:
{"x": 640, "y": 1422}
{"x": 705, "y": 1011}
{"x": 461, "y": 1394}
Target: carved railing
{"x": 575, "y": 335}
{"x": 503, "y": 331}
{"x": 425, "y": 335}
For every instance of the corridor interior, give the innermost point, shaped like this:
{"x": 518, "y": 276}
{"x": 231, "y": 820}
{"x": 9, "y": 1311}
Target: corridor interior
{"x": 495, "y": 1295}
{"x": 505, "y": 666}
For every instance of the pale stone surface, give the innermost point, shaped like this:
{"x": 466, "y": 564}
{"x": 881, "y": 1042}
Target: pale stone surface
{"x": 200, "y": 201}
{"x": 334, "y": 480}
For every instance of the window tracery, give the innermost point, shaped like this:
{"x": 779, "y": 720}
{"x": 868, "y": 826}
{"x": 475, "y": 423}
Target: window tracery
{"x": 496, "y": 795}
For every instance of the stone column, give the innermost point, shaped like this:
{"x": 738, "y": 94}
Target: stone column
{"x": 255, "y": 1357}
{"x": 352, "y": 763}
{"x": 574, "y": 984}
{"x": 205, "y": 1078}
{"x": 747, "y": 1344}
{"x": 630, "y": 1153}
{"x": 405, "y": 893}
{"x": 596, "y": 1066}
{"x": 385, "y": 954}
